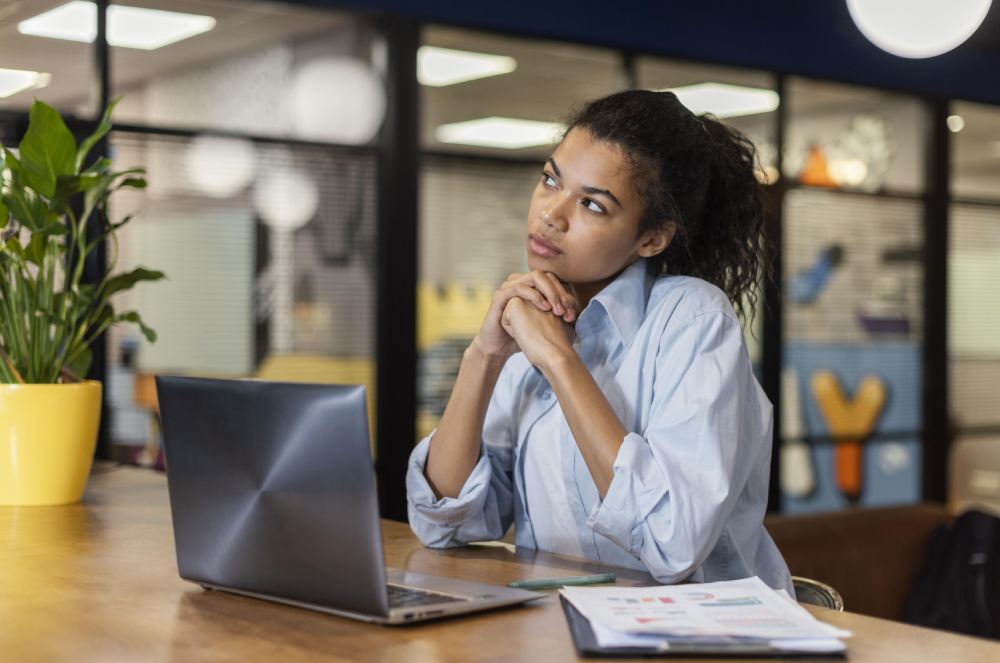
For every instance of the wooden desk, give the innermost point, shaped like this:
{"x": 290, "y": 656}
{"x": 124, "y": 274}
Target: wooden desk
{"x": 98, "y": 582}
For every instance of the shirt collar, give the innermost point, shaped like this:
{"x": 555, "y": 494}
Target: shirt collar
{"x": 624, "y": 299}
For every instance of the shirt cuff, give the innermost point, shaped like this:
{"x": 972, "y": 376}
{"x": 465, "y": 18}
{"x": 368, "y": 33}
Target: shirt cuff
{"x": 448, "y": 511}
{"x": 637, "y": 486}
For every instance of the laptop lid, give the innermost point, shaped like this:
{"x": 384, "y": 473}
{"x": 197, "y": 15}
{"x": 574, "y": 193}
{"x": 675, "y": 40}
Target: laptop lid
{"x": 272, "y": 490}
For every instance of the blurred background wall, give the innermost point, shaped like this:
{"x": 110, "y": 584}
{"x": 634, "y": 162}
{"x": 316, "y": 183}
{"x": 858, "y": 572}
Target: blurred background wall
{"x": 317, "y": 167}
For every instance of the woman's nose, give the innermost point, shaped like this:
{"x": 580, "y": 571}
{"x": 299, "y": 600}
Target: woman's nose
{"x": 554, "y": 214}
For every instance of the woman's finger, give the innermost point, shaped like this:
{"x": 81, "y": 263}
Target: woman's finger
{"x": 544, "y": 285}
{"x": 566, "y": 298}
{"x": 518, "y": 290}
{"x": 529, "y": 294}
{"x": 505, "y": 320}
{"x": 512, "y": 279}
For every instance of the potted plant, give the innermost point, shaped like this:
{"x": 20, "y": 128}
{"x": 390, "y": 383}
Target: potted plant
{"x": 51, "y": 199}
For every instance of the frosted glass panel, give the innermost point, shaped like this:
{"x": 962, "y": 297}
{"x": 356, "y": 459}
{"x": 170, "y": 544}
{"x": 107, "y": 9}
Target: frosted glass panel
{"x": 203, "y": 313}
{"x": 974, "y": 315}
{"x": 975, "y": 152}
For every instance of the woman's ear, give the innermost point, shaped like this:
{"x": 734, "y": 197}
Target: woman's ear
{"x": 656, "y": 241}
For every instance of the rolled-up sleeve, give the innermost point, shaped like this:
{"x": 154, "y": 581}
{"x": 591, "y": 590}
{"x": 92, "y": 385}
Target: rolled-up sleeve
{"x": 484, "y": 508}
{"x": 675, "y": 484}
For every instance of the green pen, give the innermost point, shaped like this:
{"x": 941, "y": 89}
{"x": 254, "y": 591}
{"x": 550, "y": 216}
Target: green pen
{"x": 556, "y": 583}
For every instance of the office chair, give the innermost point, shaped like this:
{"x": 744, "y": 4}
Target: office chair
{"x": 814, "y": 592}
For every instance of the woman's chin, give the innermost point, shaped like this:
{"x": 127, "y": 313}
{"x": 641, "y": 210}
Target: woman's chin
{"x": 538, "y": 263}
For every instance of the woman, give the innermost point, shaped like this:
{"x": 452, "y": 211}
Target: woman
{"x": 607, "y": 405}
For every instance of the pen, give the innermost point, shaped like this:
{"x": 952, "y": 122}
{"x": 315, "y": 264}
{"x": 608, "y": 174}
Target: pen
{"x": 556, "y": 583}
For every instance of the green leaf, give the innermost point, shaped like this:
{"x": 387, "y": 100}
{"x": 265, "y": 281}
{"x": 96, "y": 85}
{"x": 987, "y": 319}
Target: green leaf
{"x": 100, "y": 167}
{"x": 133, "y": 182}
{"x": 87, "y": 181}
{"x": 48, "y": 149}
{"x": 4, "y": 215}
{"x": 86, "y": 294}
{"x": 106, "y": 315}
{"x": 35, "y": 252}
{"x": 54, "y": 228}
{"x": 126, "y": 280}
{"x": 133, "y": 316}
{"x": 102, "y": 129}
{"x": 131, "y": 171}
{"x": 95, "y": 197}
{"x": 26, "y": 208}
{"x": 11, "y": 161}
{"x": 14, "y": 247}
{"x": 70, "y": 185}
{"x": 80, "y": 364}
{"x": 125, "y": 220}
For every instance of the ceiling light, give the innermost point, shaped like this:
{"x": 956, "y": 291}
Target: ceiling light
{"x": 767, "y": 174}
{"x": 337, "y": 99}
{"x": 13, "y": 81}
{"x": 918, "y": 28}
{"x": 445, "y": 66}
{"x": 128, "y": 27}
{"x": 220, "y": 167}
{"x": 848, "y": 172}
{"x": 504, "y": 132}
{"x": 723, "y": 100}
{"x": 286, "y": 199}
{"x": 955, "y": 123}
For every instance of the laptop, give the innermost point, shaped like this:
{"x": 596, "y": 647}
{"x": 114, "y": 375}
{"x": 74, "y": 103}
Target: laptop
{"x": 272, "y": 495}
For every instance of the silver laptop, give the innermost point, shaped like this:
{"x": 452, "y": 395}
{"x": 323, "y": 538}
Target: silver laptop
{"x": 272, "y": 493}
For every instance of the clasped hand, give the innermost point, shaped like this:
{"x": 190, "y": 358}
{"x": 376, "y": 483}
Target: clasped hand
{"x": 531, "y": 313}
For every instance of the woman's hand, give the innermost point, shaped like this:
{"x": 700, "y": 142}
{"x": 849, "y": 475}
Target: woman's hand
{"x": 540, "y": 291}
{"x": 539, "y": 334}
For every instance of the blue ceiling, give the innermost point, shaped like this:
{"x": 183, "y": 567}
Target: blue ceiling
{"x": 815, "y": 38}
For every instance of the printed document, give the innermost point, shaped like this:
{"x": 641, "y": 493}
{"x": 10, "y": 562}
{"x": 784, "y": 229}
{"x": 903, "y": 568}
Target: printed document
{"x": 734, "y": 611}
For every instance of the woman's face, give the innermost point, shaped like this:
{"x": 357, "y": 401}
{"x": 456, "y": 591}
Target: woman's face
{"x": 583, "y": 221}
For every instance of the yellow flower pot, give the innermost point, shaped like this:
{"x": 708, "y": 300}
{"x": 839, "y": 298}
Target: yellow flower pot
{"x": 47, "y": 437}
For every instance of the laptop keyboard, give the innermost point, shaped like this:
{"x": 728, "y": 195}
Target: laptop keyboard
{"x": 401, "y": 597}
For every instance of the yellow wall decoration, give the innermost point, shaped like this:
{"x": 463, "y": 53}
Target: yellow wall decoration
{"x": 452, "y": 311}
{"x": 849, "y": 422}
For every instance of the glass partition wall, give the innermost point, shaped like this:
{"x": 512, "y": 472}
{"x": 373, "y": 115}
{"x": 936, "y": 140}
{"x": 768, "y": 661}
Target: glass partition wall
{"x": 852, "y": 297}
{"x": 974, "y": 305}
{"x": 256, "y": 123}
{"x": 260, "y": 207}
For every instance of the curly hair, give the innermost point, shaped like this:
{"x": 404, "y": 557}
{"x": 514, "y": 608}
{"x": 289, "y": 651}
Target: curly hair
{"x": 697, "y": 173}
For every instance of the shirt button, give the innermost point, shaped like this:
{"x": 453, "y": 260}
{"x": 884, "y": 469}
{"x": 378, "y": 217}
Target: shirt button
{"x": 547, "y": 395}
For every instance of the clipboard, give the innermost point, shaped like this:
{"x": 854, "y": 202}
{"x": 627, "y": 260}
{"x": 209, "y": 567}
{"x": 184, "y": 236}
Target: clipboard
{"x": 587, "y": 646}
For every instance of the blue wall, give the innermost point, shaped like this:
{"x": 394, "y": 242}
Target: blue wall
{"x": 806, "y": 37}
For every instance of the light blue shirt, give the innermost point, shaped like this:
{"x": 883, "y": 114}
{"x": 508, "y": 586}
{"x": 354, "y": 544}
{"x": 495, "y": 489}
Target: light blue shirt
{"x": 689, "y": 491}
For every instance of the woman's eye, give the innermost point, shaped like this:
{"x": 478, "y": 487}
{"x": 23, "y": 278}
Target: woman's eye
{"x": 546, "y": 177}
{"x": 596, "y": 206}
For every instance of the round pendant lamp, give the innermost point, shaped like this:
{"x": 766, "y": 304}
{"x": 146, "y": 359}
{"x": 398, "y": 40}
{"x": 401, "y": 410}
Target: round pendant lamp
{"x": 918, "y": 28}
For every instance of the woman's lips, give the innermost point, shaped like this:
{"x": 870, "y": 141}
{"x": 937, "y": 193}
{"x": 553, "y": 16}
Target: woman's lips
{"x": 542, "y": 248}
